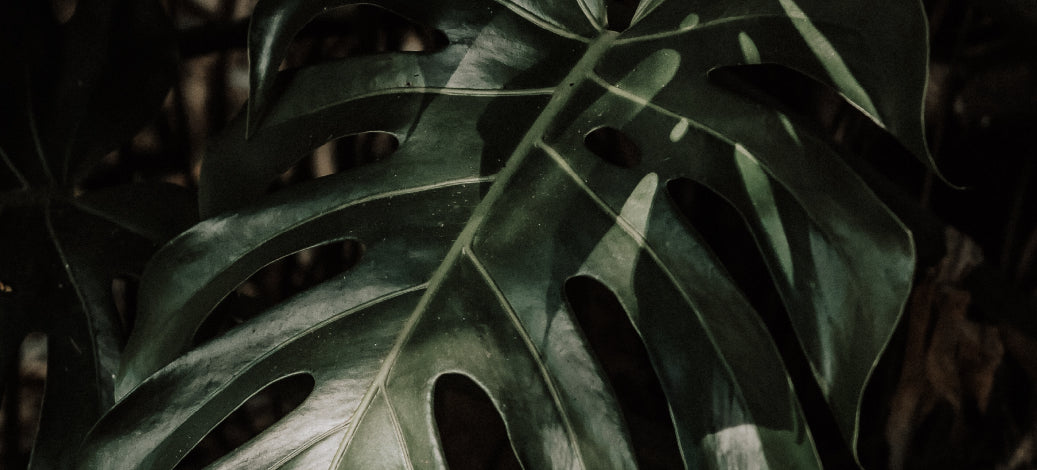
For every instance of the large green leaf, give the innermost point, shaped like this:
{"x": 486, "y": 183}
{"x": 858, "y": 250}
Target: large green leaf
{"x": 69, "y": 94}
{"x": 454, "y": 281}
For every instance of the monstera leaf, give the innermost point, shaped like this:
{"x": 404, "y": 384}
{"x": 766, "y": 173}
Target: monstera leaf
{"x": 538, "y": 149}
{"x": 70, "y": 93}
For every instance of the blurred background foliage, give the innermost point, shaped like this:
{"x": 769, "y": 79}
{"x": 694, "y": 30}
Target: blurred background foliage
{"x": 955, "y": 389}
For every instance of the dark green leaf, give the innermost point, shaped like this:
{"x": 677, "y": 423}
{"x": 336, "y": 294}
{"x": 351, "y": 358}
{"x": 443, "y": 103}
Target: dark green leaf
{"x": 71, "y": 93}
{"x": 58, "y": 264}
{"x": 460, "y": 284}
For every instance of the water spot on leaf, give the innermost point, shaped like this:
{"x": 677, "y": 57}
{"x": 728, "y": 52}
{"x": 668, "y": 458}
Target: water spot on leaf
{"x": 622, "y": 354}
{"x": 339, "y": 155}
{"x": 276, "y": 282}
{"x": 25, "y": 382}
{"x": 613, "y": 146}
{"x": 354, "y": 30}
{"x": 249, "y": 419}
{"x": 471, "y": 430}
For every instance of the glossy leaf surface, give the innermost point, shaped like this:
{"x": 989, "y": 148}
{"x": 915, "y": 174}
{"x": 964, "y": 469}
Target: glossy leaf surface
{"x": 495, "y": 199}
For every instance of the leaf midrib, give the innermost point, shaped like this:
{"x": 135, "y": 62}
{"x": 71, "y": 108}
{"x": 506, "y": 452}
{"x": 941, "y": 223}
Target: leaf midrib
{"x": 580, "y": 73}
{"x": 202, "y": 295}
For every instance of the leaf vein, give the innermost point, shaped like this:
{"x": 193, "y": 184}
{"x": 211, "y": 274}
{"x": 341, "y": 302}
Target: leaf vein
{"x": 534, "y": 353}
{"x": 14, "y": 169}
{"x": 640, "y": 239}
{"x": 540, "y": 22}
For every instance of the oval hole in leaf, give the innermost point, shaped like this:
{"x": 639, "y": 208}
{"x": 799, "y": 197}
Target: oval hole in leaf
{"x": 249, "y": 419}
{"x": 276, "y": 282}
{"x": 63, "y": 10}
{"x": 620, "y": 13}
{"x": 25, "y": 381}
{"x": 111, "y": 170}
{"x": 622, "y": 354}
{"x": 728, "y": 236}
{"x": 155, "y": 152}
{"x": 613, "y": 146}
{"x": 339, "y": 155}
{"x": 356, "y": 30}
{"x": 124, "y": 296}
{"x": 470, "y": 428}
